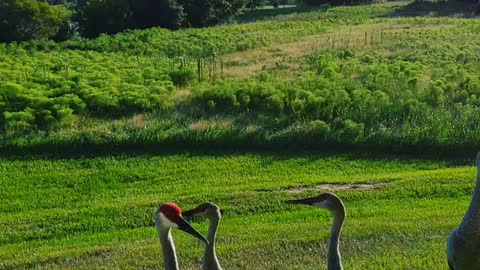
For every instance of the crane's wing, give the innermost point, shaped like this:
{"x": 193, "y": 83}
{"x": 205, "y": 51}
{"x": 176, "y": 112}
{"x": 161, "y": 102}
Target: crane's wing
{"x": 450, "y": 265}
{"x": 478, "y": 165}
{"x": 451, "y": 250}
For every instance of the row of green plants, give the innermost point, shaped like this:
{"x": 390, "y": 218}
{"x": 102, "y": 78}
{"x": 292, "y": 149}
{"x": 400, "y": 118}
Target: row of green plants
{"x": 348, "y": 111}
{"x": 44, "y": 90}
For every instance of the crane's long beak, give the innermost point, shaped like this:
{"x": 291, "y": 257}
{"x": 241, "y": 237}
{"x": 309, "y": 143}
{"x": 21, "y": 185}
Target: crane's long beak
{"x": 186, "y": 227}
{"x": 190, "y": 213}
{"x": 307, "y": 201}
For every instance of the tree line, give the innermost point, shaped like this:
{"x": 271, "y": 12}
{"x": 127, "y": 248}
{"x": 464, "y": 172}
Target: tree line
{"x": 59, "y": 20}
{"x": 22, "y": 20}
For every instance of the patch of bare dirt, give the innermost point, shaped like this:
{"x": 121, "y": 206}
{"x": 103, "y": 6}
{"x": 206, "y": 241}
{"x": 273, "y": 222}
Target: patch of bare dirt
{"x": 181, "y": 94}
{"x": 335, "y": 187}
{"x": 203, "y": 125}
{"x": 251, "y": 62}
{"x": 139, "y": 121}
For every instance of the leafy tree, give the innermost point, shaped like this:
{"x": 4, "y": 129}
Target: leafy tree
{"x": 104, "y": 16}
{"x": 150, "y": 13}
{"x": 224, "y": 10}
{"x": 201, "y": 13}
{"x": 29, "y": 19}
{"x": 254, "y": 3}
{"x": 112, "y": 16}
{"x": 57, "y": 2}
{"x": 338, "y": 2}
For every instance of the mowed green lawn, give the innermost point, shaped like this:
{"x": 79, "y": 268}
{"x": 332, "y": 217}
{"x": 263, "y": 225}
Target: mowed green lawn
{"x": 98, "y": 212}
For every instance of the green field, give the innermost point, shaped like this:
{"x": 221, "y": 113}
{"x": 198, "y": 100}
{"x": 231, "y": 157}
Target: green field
{"x": 379, "y": 104}
{"x": 97, "y": 212}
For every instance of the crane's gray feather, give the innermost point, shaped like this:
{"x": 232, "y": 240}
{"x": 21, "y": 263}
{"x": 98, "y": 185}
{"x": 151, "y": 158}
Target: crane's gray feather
{"x": 463, "y": 247}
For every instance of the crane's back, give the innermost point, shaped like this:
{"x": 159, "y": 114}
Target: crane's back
{"x": 463, "y": 253}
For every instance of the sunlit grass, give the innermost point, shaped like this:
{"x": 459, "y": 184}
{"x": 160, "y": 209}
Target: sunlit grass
{"x": 97, "y": 212}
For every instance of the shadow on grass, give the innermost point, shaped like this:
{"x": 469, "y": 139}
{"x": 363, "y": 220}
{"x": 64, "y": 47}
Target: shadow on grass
{"x": 439, "y": 9}
{"x": 274, "y": 151}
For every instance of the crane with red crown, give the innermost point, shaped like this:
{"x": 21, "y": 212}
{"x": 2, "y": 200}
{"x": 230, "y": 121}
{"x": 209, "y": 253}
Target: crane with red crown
{"x": 168, "y": 217}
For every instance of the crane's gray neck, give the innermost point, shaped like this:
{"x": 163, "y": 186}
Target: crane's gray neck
{"x": 333, "y": 256}
{"x": 168, "y": 248}
{"x": 210, "y": 260}
{"x": 471, "y": 221}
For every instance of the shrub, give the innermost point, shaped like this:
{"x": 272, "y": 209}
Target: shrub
{"x": 319, "y": 127}
{"x": 182, "y": 77}
{"x": 275, "y": 103}
{"x": 200, "y": 13}
{"x": 352, "y": 131}
{"x": 211, "y": 105}
{"x": 18, "y": 121}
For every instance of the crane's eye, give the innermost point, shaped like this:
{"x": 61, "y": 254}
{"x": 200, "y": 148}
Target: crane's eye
{"x": 202, "y": 208}
{"x": 322, "y": 198}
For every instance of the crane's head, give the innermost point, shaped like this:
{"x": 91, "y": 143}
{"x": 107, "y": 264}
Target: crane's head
{"x": 169, "y": 216}
{"x": 206, "y": 210}
{"x": 327, "y": 201}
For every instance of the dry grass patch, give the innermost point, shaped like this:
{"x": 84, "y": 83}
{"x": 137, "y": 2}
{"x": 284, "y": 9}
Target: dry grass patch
{"x": 181, "y": 94}
{"x": 139, "y": 121}
{"x": 249, "y": 63}
{"x": 335, "y": 187}
{"x": 200, "y": 125}
{"x": 203, "y": 125}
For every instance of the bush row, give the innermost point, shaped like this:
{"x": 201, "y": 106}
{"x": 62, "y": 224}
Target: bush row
{"x": 354, "y": 98}
{"x": 44, "y": 90}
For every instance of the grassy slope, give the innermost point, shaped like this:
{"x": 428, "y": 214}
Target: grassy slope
{"x": 97, "y": 212}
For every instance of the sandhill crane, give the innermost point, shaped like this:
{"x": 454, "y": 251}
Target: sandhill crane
{"x": 335, "y": 206}
{"x": 167, "y": 217}
{"x": 463, "y": 247}
{"x": 212, "y": 212}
